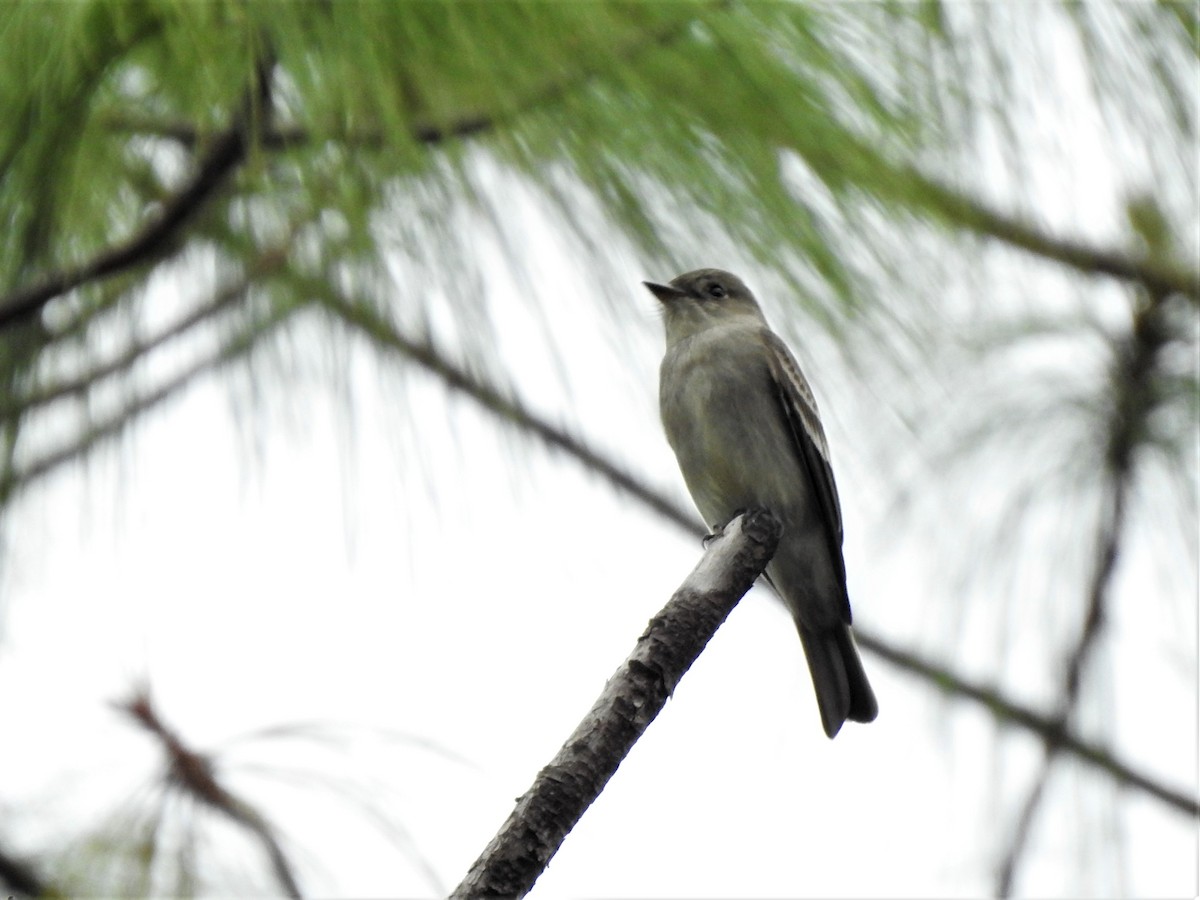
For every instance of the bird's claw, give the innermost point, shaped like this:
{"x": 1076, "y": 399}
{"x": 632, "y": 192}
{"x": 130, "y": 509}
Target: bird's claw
{"x": 718, "y": 530}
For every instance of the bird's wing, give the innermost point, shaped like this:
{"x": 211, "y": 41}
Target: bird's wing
{"x": 800, "y": 410}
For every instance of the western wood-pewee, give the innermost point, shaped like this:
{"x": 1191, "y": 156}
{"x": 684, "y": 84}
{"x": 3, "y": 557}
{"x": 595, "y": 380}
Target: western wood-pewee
{"x": 743, "y": 423}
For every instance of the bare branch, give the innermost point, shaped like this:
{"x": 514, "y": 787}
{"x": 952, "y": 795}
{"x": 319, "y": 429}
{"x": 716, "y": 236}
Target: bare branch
{"x": 1134, "y": 376}
{"x": 289, "y": 136}
{"x": 564, "y": 790}
{"x": 193, "y": 773}
{"x": 468, "y": 124}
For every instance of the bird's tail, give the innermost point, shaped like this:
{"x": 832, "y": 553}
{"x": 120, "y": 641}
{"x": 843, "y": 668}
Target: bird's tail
{"x": 843, "y": 691}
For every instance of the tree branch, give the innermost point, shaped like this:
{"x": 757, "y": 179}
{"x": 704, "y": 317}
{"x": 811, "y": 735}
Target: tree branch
{"x": 564, "y": 790}
{"x": 270, "y": 261}
{"x": 193, "y": 773}
{"x": 509, "y": 409}
{"x": 466, "y": 125}
{"x": 1156, "y": 275}
{"x": 288, "y": 136}
{"x": 156, "y": 236}
{"x": 1047, "y": 727}
{"x": 14, "y": 480}
{"x": 1134, "y": 376}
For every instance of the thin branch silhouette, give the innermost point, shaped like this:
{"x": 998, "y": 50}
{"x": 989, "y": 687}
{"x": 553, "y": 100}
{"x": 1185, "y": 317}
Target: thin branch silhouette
{"x": 1157, "y": 276}
{"x": 192, "y": 773}
{"x": 1134, "y": 373}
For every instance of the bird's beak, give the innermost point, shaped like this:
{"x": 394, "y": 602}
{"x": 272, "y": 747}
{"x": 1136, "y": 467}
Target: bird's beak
{"x": 664, "y": 292}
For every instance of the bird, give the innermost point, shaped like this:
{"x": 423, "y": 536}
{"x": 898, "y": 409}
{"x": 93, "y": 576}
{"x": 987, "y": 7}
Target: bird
{"x": 743, "y": 423}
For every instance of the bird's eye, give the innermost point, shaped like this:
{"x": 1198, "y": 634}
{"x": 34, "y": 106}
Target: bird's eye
{"x": 715, "y": 290}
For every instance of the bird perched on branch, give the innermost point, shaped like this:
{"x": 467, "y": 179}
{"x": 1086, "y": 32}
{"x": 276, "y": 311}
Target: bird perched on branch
{"x": 743, "y": 423}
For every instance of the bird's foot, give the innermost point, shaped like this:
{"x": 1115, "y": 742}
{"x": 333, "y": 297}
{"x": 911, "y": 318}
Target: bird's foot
{"x": 718, "y": 530}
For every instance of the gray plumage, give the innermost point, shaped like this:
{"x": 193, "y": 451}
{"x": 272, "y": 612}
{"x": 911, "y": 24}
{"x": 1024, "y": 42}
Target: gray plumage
{"x": 743, "y": 423}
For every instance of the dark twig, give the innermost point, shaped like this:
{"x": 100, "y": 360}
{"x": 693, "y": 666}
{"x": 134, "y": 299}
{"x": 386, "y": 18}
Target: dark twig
{"x": 287, "y": 136}
{"x": 159, "y": 234}
{"x": 1098, "y": 601}
{"x": 193, "y": 773}
{"x": 629, "y": 703}
{"x": 284, "y": 136}
{"x": 21, "y": 878}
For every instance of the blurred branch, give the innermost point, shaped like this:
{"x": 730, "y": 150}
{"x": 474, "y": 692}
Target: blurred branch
{"x": 630, "y": 701}
{"x": 1133, "y": 381}
{"x": 1048, "y": 727}
{"x": 288, "y": 137}
{"x": 268, "y": 262}
{"x": 959, "y": 209}
{"x": 158, "y": 235}
{"x": 16, "y": 479}
{"x": 424, "y": 354}
{"x": 1158, "y": 276}
{"x": 192, "y": 772}
{"x": 509, "y": 409}
{"x": 21, "y": 878}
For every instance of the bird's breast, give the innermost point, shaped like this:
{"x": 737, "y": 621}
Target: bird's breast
{"x": 722, "y": 418}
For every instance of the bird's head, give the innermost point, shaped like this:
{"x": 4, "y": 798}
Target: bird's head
{"x": 695, "y": 301}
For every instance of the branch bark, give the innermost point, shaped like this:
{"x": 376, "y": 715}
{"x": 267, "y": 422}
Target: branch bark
{"x": 563, "y": 790}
